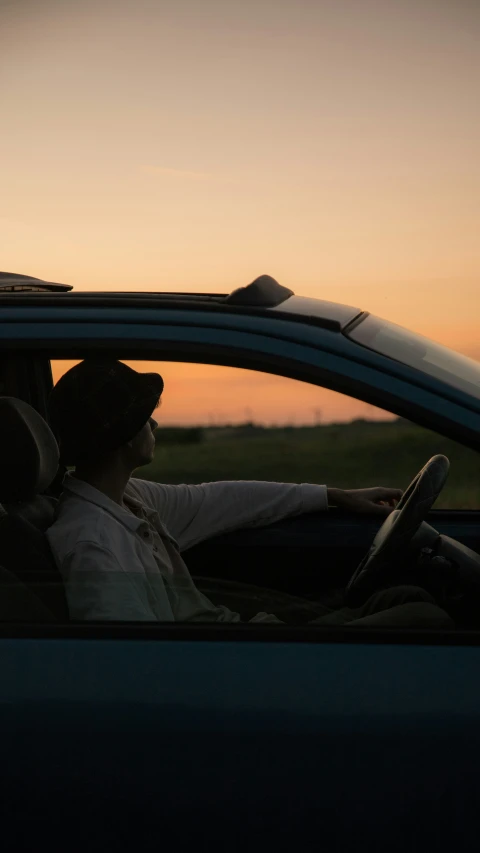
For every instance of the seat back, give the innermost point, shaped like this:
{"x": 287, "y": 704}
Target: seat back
{"x": 28, "y": 465}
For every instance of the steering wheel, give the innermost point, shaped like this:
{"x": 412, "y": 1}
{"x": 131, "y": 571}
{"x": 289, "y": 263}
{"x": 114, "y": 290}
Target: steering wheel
{"x": 391, "y": 544}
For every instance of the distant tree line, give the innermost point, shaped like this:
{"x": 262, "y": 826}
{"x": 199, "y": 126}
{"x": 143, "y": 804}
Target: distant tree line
{"x": 179, "y": 435}
{"x": 198, "y": 434}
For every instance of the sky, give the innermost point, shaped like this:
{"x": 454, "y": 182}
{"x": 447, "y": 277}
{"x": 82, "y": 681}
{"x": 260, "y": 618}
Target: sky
{"x": 196, "y": 144}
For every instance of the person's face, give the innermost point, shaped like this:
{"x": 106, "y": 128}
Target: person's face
{"x": 142, "y": 444}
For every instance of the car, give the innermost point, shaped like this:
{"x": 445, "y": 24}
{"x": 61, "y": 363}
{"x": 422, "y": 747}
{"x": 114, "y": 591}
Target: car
{"x": 244, "y": 736}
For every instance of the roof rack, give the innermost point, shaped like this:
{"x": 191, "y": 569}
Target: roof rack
{"x": 264, "y": 292}
{"x": 11, "y": 282}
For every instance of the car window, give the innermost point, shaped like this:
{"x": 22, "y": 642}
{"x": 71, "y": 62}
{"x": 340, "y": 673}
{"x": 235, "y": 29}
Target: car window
{"x": 228, "y": 521}
{"x": 221, "y": 423}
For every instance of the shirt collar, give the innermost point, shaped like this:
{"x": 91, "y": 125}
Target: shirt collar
{"x": 89, "y": 493}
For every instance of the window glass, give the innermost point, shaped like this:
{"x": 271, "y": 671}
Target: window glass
{"x": 455, "y": 369}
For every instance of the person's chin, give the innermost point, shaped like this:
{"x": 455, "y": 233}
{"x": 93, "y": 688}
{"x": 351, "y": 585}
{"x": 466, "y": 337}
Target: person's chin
{"x": 145, "y": 460}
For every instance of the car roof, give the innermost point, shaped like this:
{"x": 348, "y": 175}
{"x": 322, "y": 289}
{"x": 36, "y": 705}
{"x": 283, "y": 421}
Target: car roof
{"x": 262, "y": 297}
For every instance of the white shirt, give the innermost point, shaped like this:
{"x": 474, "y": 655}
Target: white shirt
{"x": 124, "y": 564}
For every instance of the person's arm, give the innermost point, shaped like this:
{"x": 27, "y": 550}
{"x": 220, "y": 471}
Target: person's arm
{"x": 97, "y": 588}
{"x": 194, "y": 513}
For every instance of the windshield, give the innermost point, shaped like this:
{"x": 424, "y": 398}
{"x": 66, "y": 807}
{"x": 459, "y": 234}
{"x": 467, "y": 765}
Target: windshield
{"x": 414, "y": 350}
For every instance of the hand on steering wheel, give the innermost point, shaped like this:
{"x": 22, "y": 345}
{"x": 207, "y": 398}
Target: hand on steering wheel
{"x": 392, "y": 541}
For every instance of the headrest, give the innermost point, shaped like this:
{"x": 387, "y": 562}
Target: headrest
{"x": 28, "y": 451}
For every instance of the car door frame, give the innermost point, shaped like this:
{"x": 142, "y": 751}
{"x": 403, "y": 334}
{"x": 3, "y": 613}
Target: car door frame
{"x": 292, "y": 349}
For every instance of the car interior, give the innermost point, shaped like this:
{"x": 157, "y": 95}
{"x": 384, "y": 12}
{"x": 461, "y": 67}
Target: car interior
{"x": 440, "y": 553}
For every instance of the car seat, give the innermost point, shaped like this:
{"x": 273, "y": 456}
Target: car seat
{"x": 28, "y": 464}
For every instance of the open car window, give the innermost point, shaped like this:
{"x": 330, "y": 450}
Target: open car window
{"x": 222, "y": 423}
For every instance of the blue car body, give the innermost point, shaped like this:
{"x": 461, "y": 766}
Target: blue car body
{"x": 183, "y": 737}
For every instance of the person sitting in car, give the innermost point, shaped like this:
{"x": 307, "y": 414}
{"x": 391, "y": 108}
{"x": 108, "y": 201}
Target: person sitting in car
{"x": 117, "y": 539}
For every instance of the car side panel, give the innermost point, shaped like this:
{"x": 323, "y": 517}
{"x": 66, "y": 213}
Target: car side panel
{"x": 297, "y": 746}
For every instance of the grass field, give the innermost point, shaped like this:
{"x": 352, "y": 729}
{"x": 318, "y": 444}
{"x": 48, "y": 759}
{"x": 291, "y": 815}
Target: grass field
{"x": 361, "y": 453}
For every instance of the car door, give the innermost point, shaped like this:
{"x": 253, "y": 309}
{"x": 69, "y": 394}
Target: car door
{"x": 242, "y": 737}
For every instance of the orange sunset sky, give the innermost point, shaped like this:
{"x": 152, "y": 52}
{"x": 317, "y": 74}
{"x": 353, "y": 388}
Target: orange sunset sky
{"x": 195, "y": 144}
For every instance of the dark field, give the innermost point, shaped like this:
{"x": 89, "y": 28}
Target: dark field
{"x": 361, "y": 453}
